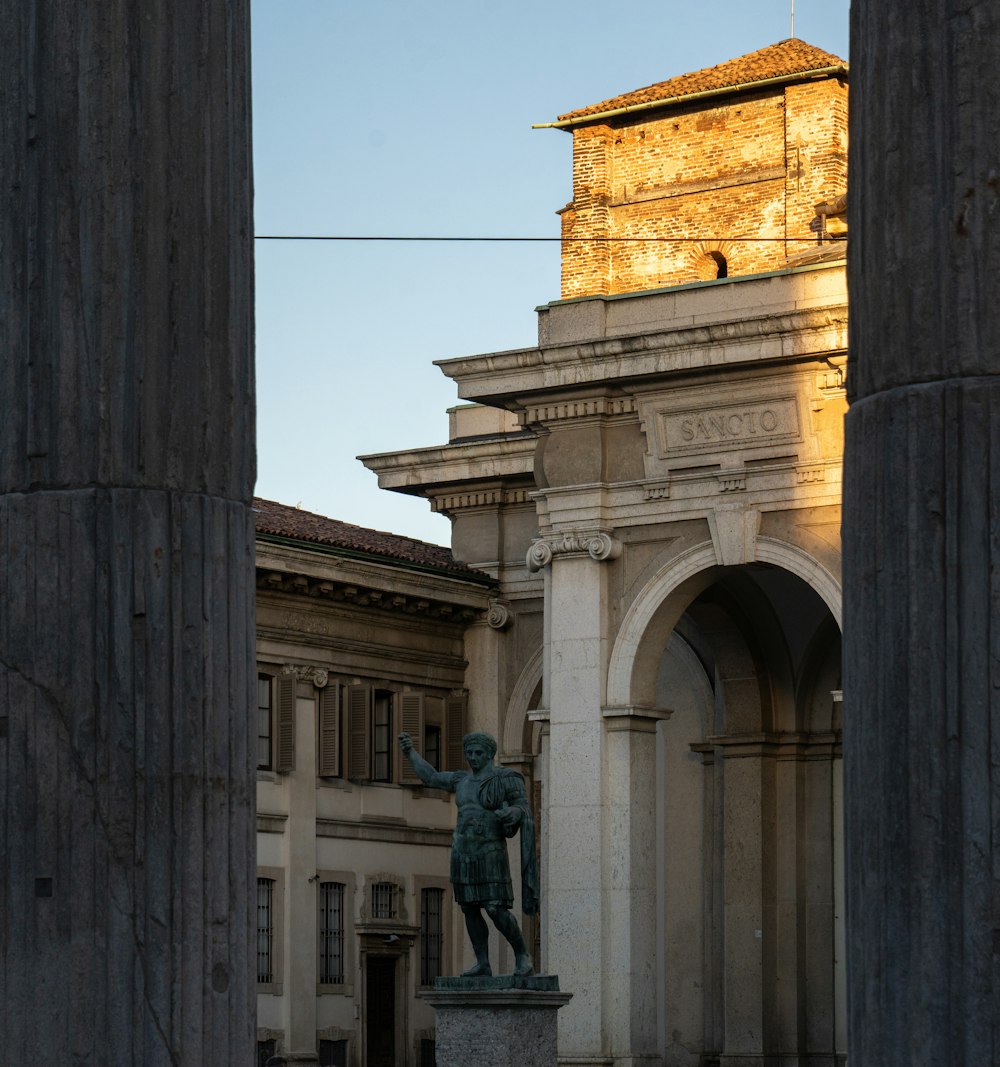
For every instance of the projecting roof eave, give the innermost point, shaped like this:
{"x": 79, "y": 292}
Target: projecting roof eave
{"x": 833, "y": 71}
{"x": 506, "y": 457}
{"x": 269, "y": 544}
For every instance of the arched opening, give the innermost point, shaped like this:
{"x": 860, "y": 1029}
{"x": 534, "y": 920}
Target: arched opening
{"x": 721, "y": 266}
{"x": 747, "y": 660}
{"x": 709, "y": 265}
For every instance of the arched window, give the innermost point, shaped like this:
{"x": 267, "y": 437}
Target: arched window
{"x": 722, "y": 267}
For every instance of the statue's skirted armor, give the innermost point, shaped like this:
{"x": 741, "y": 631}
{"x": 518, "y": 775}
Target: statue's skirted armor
{"x": 480, "y": 871}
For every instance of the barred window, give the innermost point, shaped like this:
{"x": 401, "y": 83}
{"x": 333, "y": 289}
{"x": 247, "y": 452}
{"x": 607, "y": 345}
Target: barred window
{"x": 331, "y": 933}
{"x": 383, "y": 900}
{"x": 333, "y": 1053}
{"x": 431, "y": 934}
{"x": 265, "y": 929}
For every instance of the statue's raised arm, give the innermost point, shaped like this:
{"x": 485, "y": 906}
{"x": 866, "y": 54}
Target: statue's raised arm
{"x": 423, "y": 770}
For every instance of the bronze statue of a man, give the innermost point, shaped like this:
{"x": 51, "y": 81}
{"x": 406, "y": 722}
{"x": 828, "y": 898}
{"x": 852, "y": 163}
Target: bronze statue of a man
{"x": 492, "y": 806}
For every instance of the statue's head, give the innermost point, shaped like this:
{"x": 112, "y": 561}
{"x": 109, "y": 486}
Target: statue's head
{"x": 485, "y": 741}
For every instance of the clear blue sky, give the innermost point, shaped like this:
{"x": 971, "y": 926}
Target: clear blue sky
{"x": 402, "y": 117}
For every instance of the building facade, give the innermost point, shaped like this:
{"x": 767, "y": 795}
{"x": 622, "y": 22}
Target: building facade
{"x": 655, "y": 489}
{"x": 359, "y": 635}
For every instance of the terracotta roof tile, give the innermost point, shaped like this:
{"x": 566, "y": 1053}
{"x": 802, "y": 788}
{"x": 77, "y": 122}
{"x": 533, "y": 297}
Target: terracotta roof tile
{"x": 280, "y": 520}
{"x": 784, "y": 59}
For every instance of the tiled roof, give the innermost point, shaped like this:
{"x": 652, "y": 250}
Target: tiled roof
{"x": 280, "y": 520}
{"x": 784, "y": 59}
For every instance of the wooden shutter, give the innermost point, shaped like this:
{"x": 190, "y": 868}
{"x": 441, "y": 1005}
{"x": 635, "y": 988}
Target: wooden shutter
{"x": 359, "y": 713}
{"x": 329, "y": 731}
{"x": 454, "y": 730}
{"x": 411, "y": 721}
{"x": 285, "y": 761}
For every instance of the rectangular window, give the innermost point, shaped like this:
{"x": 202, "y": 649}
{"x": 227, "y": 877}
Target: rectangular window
{"x": 383, "y": 900}
{"x": 265, "y": 929}
{"x": 382, "y": 749}
{"x": 427, "y": 1057}
{"x": 265, "y": 1050}
{"x": 431, "y": 934}
{"x": 332, "y": 1053}
{"x": 432, "y": 746}
{"x": 264, "y": 722}
{"x": 331, "y": 933}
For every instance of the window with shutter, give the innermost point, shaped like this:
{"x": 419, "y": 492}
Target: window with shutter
{"x": 359, "y": 710}
{"x": 382, "y": 745}
{"x": 264, "y": 721}
{"x": 329, "y": 731}
{"x": 285, "y": 761}
{"x": 411, "y": 721}
{"x": 455, "y": 730}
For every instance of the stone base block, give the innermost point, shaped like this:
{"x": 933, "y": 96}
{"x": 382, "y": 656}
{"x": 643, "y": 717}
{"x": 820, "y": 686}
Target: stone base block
{"x": 508, "y": 1024}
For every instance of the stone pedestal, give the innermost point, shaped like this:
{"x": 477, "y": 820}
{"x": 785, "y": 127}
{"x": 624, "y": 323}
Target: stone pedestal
{"x": 504, "y": 1021}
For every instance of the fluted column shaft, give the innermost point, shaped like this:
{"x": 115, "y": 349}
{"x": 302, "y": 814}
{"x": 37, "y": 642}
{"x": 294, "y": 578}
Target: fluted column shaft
{"x": 126, "y": 474}
{"x": 922, "y": 536}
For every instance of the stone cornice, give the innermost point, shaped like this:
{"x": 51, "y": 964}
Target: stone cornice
{"x": 597, "y": 544}
{"x": 385, "y": 831}
{"x": 366, "y": 596}
{"x": 752, "y": 339}
{"x": 489, "y": 459}
{"x": 784, "y": 745}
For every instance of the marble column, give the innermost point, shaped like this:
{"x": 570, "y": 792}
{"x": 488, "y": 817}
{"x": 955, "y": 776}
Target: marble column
{"x": 922, "y": 537}
{"x": 601, "y": 866}
{"x": 574, "y": 899}
{"x": 126, "y": 473}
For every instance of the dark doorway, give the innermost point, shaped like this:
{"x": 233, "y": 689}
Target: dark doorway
{"x": 380, "y": 1026}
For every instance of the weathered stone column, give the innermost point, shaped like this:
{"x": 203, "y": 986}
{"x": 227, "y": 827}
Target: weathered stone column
{"x": 922, "y": 536}
{"x": 126, "y": 471}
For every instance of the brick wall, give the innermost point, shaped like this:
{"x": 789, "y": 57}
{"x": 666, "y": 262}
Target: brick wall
{"x": 750, "y": 165}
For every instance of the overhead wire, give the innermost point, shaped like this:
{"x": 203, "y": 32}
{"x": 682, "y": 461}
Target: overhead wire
{"x": 813, "y": 238}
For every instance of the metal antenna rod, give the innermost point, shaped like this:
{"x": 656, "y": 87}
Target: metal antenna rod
{"x": 793, "y": 18}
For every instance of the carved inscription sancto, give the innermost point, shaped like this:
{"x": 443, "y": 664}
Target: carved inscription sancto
{"x": 737, "y": 425}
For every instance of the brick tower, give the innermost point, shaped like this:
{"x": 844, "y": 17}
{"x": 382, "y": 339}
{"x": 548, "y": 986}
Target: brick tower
{"x": 743, "y": 149}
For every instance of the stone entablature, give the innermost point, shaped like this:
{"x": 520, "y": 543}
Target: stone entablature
{"x": 739, "y": 332}
{"x": 791, "y": 419}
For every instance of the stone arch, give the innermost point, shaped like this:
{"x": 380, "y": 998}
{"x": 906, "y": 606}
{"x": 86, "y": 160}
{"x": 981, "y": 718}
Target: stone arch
{"x": 654, "y": 613}
{"x": 514, "y": 735}
{"x": 792, "y": 558}
{"x": 711, "y": 259}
